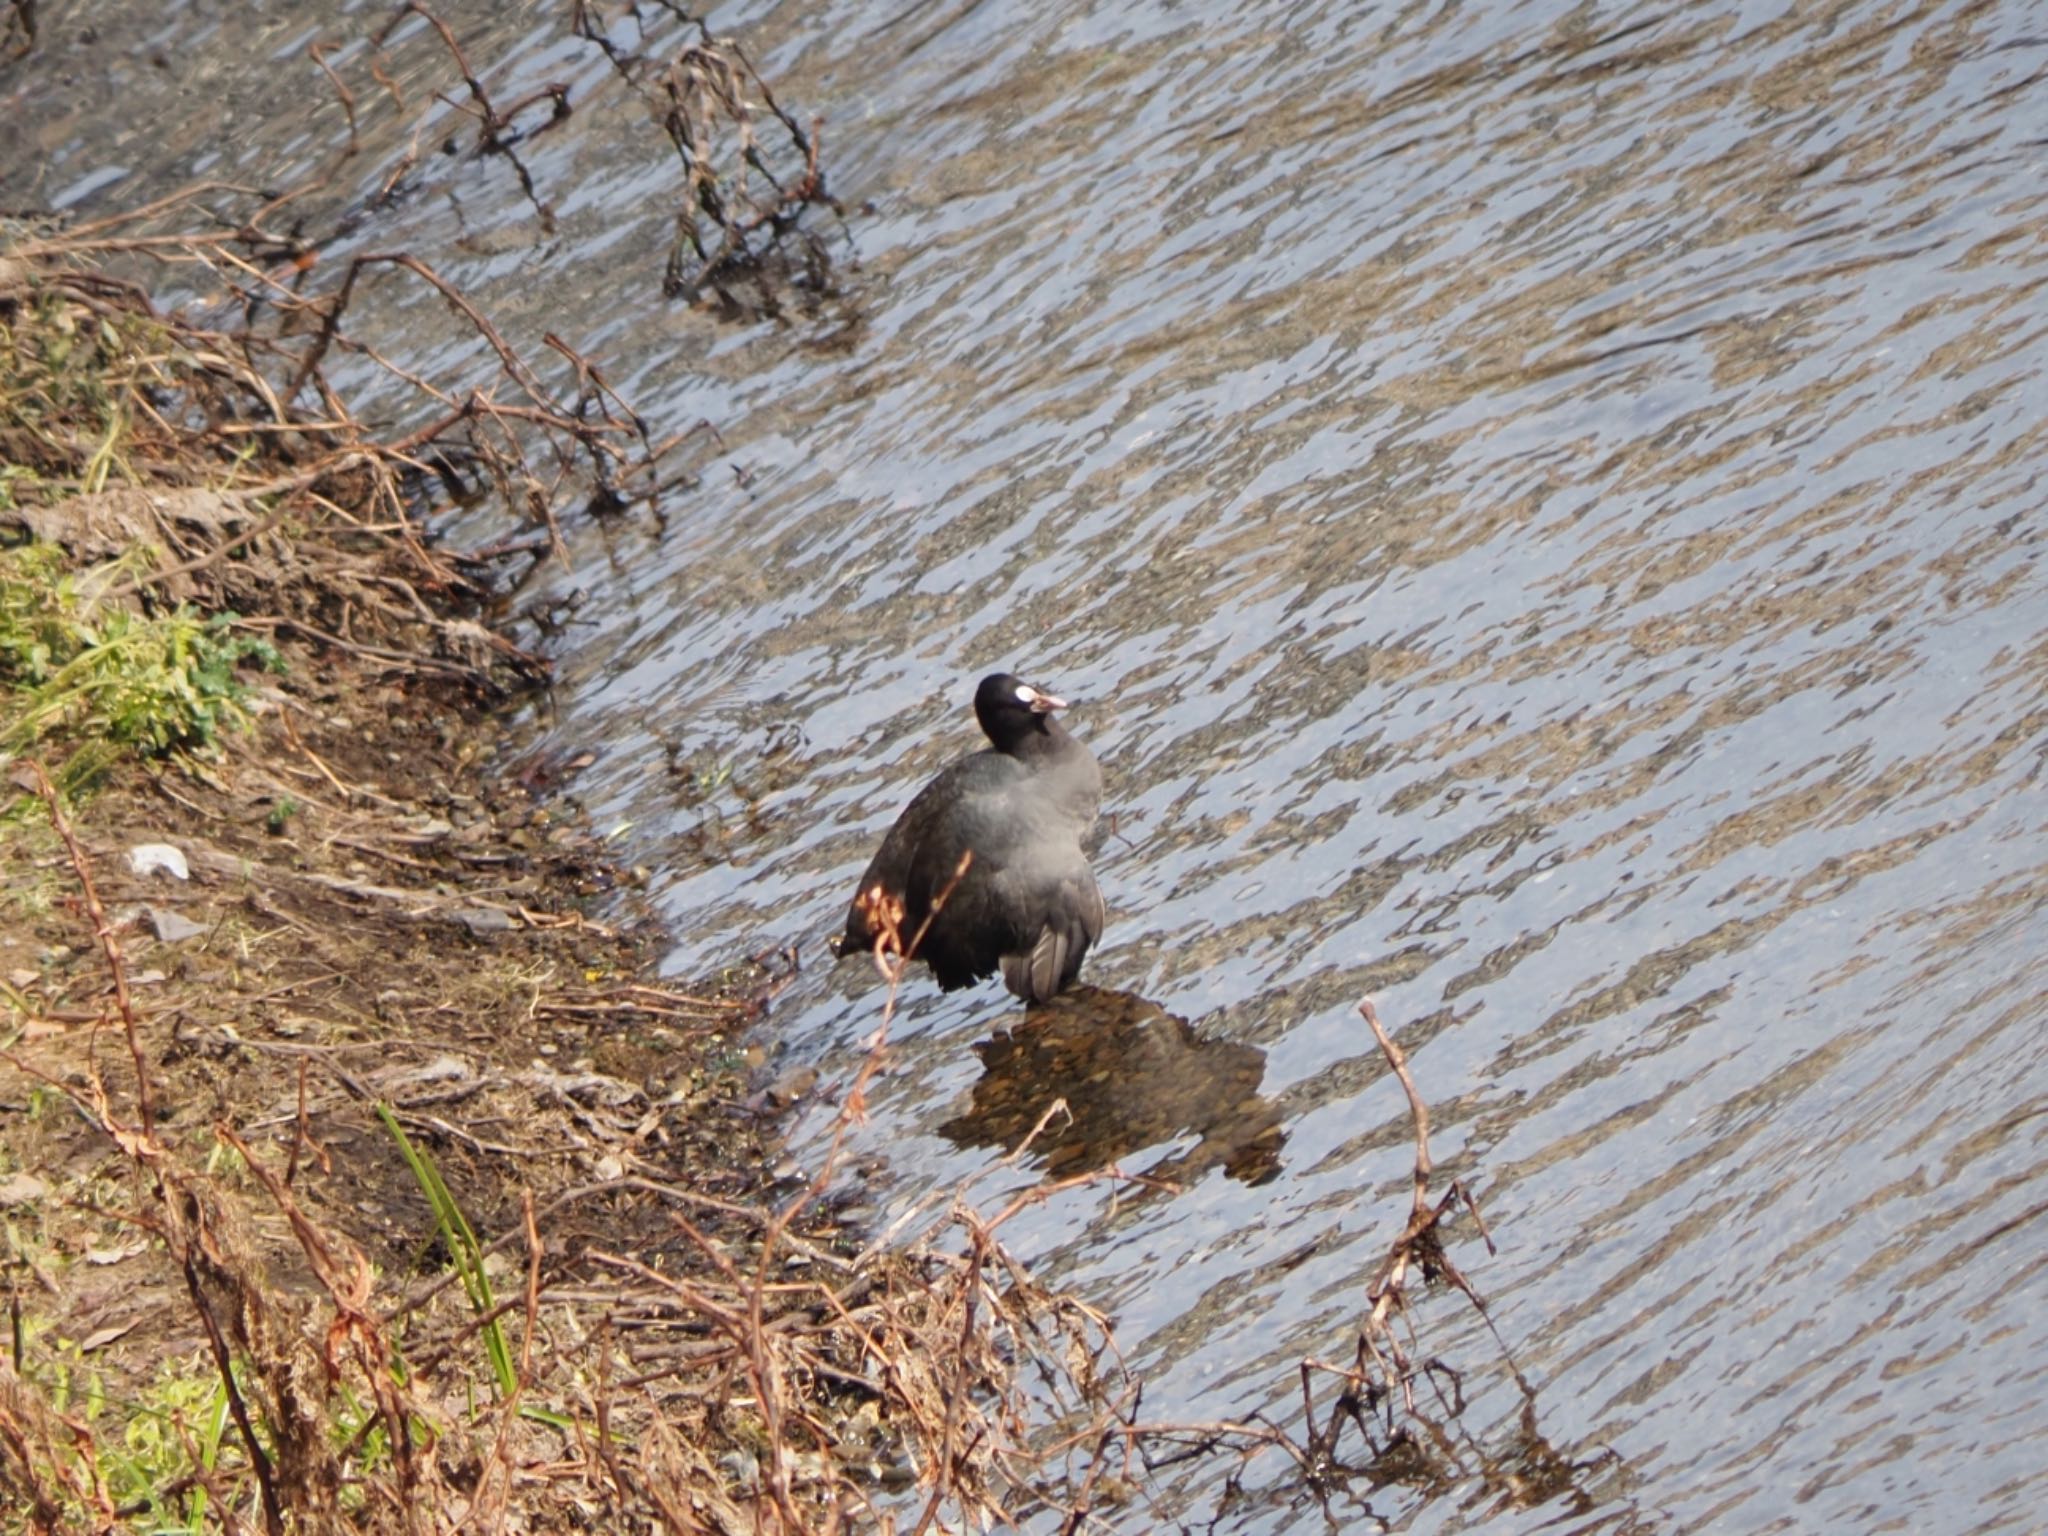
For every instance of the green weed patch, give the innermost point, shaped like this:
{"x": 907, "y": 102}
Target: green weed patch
{"x": 94, "y": 679}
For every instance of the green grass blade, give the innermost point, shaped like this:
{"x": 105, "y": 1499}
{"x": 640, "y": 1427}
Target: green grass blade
{"x": 464, "y": 1251}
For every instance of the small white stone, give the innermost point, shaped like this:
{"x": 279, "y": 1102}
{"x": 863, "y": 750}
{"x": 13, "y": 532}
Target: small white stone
{"x": 148, "y": 858}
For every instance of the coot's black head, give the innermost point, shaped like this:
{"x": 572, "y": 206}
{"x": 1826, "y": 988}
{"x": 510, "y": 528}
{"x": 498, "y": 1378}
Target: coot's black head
{"x": 1012, "y": 712}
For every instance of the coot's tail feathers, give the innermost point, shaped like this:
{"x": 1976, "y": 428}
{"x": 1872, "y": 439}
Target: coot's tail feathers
{"x": 1072, "y": 926}
{"x": 1035, "y": 977}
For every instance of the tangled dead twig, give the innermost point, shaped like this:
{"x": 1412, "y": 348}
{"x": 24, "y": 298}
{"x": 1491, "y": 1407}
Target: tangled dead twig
{"x": 1420, "y": 1245}
{"x": 494, "y": 123}
{"x": 744, "y": 201}
{"x": 1376, "y": 1392}
{"x": 1383, "y": 1374}
{"x": 705, "y": 88}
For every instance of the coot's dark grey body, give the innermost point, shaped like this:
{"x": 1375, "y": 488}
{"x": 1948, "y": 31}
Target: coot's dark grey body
{"x": 1028, "y": 905}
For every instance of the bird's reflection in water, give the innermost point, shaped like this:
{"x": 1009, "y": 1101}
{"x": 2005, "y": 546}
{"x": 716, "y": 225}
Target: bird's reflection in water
{"x": 1133, "y": 1076}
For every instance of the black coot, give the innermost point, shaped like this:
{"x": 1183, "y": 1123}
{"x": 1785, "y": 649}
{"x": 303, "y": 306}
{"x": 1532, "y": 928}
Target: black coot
{"x": 1028, "y": 904}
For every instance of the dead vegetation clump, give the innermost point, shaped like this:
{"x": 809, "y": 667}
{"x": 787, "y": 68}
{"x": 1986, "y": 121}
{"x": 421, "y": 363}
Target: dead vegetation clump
{"x": 751, "y": 173}
{"x": 180, "y": 461}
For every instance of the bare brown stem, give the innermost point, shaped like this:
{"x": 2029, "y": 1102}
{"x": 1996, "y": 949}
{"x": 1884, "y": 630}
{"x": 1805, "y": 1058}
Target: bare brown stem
{"x": 110, "y": 947}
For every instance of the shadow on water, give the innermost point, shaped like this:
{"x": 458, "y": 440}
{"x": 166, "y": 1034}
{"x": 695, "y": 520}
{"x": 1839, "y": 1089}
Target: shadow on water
{"x": 1130, "y": 1076}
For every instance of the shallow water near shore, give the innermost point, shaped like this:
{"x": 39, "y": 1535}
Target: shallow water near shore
{"x": 1539, "y": 510}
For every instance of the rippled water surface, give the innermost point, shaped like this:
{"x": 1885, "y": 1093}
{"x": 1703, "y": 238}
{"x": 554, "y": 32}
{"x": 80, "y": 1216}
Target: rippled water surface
{"x": 1540, "y": 508}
